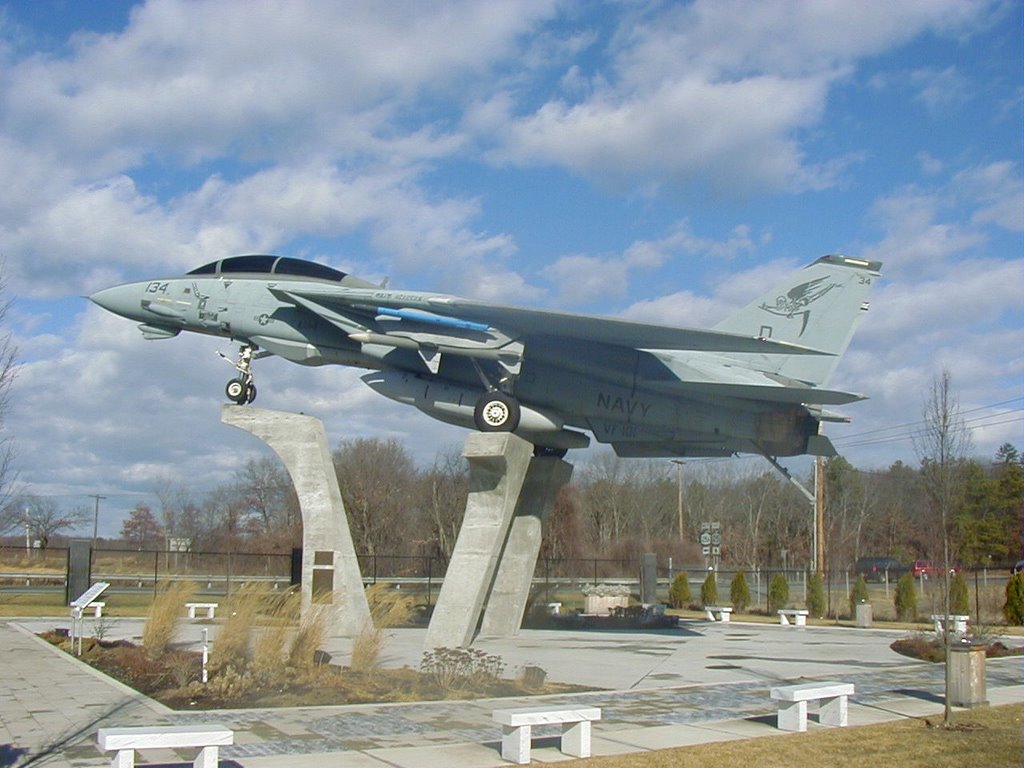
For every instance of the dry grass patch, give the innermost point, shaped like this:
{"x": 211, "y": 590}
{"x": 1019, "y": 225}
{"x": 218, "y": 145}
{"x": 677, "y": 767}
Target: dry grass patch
{"x": 984, "y": 737}
{"x": 162, "y": 618}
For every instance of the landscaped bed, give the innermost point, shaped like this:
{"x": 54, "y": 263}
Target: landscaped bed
{"x": 172, "y": 678}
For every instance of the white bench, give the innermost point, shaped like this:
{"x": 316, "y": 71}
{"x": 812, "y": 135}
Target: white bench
{"x": 209, "y": 738}
{"x": 97, "y": 608}
{"x": 516, "y": 727}
{"x": 722, "y": 611}
{"x": 959, "y": 623}
{"x": 209, "y": 608}
{"x": 799, "y": 616}
{"x": 793, "y": 704}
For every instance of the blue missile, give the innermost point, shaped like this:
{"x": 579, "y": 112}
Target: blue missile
{"x": 419, "y": 316}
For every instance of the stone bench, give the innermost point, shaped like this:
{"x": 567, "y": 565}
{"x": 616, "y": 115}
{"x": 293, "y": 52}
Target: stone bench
{"x": 793, "y": 704}
{"x": 208, "y": 738}
{"x": 208, "y": 607}
{"x": 799, "y": 616}
{"x": 722, "y": 611}
{"x": 959, "y": 623}
{"x": 516, "y": 727}
{"x": 97, "y": 608}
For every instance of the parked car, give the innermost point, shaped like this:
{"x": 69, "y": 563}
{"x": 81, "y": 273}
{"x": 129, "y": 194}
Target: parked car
{"x": 928, "y": 568}
{"x": 876, "y": 568}
{"x": 1018, "y": 567}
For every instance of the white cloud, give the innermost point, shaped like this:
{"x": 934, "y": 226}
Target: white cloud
{"x": 708, "y": 95}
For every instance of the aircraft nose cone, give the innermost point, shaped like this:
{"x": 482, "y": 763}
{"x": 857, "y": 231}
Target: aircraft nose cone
{"x": 121, "y": 299}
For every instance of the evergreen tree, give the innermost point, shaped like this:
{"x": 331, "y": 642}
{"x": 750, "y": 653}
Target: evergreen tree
{"x": 859, "y": 594}
{"x": 679, "y": 593}
{"x": 709, "y": 590}
{"x": 1013, "y": 608}
{"x": 959, "y": 602}
{"x": 905, "y": 600}
{"x": 778, "y": 593}
{"x": 815, "y": 595}
{"x": 739, "y": 592}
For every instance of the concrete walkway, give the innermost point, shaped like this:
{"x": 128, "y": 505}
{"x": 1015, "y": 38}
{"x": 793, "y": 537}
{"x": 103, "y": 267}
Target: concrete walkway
{"x": 703, "y": 682}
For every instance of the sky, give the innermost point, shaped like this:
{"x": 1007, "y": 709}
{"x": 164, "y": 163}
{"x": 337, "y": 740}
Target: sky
{"x": 658, "y": 161}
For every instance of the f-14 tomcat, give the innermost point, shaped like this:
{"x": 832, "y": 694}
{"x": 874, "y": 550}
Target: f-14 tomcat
{"x": 751, "y": 384}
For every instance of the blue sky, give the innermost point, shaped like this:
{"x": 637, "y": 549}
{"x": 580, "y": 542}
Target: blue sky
{"x": 658, "y": 161}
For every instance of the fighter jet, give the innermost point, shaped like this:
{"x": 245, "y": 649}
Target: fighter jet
{"x": 751, "y": 384}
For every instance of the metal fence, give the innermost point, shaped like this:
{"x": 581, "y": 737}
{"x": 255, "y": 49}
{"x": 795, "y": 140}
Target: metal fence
{"x": 554, "y": 580}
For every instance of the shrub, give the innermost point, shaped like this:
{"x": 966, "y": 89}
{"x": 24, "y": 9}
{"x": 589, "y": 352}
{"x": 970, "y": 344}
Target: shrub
{"x": 959, "y": 602}
{"x": 739, "y": 592}
{"x": 162, "y": 619}
{"x": 461, "y": 668}
{"x": 1013, "y": 608}
{"x": 231, "y": 648}
{"x": 679, "y": 593}
{"x": 815, "y": 595}
{"x": 709, "y": 590}
{"x": 905, "y": 600}
{"x": 859, "y": 594}
{"x": 778, "y": 593}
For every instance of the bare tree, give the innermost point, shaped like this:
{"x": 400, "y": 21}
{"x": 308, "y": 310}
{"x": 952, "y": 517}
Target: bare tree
{"x": 942, "y": 445}
{"x": 376, "y": 479}
{"x": 43, "y": 518}
{"x": 9, "y": 516}
{"x": 443, "y": 491}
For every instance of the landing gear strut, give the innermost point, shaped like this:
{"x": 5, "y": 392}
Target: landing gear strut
{"x": 495, "y": 411}
{"x": 241, "y": 389}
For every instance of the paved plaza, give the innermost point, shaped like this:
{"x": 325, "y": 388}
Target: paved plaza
{"x": 702, "y": 682}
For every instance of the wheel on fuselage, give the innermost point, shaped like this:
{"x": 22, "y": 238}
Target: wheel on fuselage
{"x": 496, "y": 412}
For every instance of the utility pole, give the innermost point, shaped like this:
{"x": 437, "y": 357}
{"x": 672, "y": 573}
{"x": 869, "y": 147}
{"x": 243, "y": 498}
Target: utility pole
{"x": 819, "y": 514}
{"x": 96, "y": 516}
{"x": 679, "y": 480}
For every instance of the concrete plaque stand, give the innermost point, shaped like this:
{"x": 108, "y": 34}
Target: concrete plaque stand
{"x": 330, "y": 570}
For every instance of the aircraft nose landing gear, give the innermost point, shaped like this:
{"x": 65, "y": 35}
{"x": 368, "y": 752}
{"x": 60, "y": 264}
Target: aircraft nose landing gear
{"x": 241, "y": 390}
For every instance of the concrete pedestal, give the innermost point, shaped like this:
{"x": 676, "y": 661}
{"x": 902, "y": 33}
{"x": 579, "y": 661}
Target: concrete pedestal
{"x": 498, "y": 464}
{"x": 330, "y": 570}
{"x": 864, "y": 617}
{"x": 506, "y": 605}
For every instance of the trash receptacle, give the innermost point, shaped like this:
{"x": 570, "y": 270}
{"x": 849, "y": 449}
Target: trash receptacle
{"x": 863, "y": 614}
{"x": 967, "y": 675}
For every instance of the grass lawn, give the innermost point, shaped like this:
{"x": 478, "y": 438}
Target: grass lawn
{"x": 989, "y": 737}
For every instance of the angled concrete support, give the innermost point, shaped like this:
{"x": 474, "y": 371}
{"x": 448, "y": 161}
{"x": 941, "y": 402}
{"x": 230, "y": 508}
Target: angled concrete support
{"x": 330, "y": 570}
{"x": 498, "y": 464}
{"x": 511, "y": 591}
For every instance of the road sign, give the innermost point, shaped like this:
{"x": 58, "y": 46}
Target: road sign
{"x": 716, "y": 538}
{"x": 706, "y": 550}
{"x": 705, "y": 539}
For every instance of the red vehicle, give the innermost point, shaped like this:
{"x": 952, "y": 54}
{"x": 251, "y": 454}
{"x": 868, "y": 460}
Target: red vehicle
{"x": 927, "y": 568}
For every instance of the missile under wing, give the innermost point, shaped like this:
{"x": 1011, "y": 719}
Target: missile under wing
{"x": 752, "y": 384}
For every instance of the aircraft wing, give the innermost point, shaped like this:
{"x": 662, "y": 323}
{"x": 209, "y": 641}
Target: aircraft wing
{"x": 361, "y": 309}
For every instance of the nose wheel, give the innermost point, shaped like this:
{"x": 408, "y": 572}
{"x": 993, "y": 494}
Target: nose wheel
{"x": 241, "y": 389}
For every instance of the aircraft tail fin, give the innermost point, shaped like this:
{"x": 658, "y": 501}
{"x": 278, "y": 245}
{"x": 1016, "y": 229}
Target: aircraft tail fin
{"x": 818, "y": 307}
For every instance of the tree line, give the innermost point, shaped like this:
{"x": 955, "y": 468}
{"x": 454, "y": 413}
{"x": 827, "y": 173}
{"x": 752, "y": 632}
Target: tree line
{"x": 614, "y": 508}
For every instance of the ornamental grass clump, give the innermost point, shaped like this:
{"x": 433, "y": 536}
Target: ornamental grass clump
{"x": 388, "y": 608}
{"x": 162, "y": 618}
{"x": 232, "y": 646}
